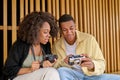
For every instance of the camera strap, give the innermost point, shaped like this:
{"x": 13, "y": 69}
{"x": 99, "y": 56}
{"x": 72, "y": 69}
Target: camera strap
{"x": 43, "y": 52}
{"x": 33, "y": 53}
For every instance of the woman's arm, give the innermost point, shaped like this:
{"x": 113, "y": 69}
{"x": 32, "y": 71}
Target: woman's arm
{"x": 24, "y": 71}
{"x": 17, "y": 54}
{"x": 35, "y": 66}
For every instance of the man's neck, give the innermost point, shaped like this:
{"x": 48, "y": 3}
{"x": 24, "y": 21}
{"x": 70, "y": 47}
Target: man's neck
{"x": 71, "y": 42}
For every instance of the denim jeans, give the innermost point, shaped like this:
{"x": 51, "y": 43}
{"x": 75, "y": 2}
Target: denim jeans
{"x": 70, "y": 74}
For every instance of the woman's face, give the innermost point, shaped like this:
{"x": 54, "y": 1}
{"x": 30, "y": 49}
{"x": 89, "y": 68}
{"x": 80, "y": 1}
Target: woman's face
{"x": 44, "y": 33}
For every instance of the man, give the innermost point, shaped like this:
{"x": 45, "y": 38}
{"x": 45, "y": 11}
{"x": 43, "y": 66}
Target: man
{"x": 73, "y": 42}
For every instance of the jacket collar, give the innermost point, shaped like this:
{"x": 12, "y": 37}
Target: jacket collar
{"x": 79, "y": 35}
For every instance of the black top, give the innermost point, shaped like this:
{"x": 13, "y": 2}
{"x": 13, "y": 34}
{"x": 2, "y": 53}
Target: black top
{"x": 17, "y": 55}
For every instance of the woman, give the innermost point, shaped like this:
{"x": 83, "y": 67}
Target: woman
{"x": 25, "y": 59}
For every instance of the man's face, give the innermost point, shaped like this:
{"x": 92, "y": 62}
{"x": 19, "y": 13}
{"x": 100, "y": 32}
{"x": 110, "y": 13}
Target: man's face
{"x": 68, "y": 30}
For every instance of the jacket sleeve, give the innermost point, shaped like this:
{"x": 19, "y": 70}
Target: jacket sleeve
{"x": 57, "y": 51}
{"x": 54, "y": 51}
{"x": 97, "y": 58}
{"x": 14, "y": 61}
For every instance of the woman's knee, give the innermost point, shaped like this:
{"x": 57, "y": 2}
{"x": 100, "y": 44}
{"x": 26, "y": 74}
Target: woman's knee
{"x": 52, "y": 71}
{"x": 53, "y": 74}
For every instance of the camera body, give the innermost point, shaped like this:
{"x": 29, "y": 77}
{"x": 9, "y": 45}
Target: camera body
{"x": 50, "y": 57}
{"x": 75, "y": 59}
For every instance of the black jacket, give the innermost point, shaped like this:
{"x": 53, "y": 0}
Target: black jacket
{"x": 16, "y": 57}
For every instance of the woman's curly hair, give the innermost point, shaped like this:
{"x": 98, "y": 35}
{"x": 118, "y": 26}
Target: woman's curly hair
{"x": 29, "y": 28}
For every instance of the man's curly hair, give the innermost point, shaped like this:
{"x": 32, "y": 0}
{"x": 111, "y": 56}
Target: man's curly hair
{"x": 29, "y": 28}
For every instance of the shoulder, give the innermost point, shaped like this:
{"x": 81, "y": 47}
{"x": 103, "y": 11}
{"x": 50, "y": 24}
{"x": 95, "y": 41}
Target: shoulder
{"x": 59, "y": 41}
{"x": 84, "y": 36}
{"x": 20, "y": 43}
{"x": 19, "y": 46}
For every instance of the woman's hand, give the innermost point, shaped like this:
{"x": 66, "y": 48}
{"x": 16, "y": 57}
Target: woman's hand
{"x": 47, "y": 63}
{"x": 35, "y": 65}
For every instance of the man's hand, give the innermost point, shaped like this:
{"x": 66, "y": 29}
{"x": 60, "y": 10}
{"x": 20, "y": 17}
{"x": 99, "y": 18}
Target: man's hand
{"x": 67, "y": 58}
{"x": 87, "y": 62}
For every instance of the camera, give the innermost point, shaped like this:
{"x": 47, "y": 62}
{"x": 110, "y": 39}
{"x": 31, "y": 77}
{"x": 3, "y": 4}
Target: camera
{"x": 50, "y": 57}
{"x": 75, "y": 59}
